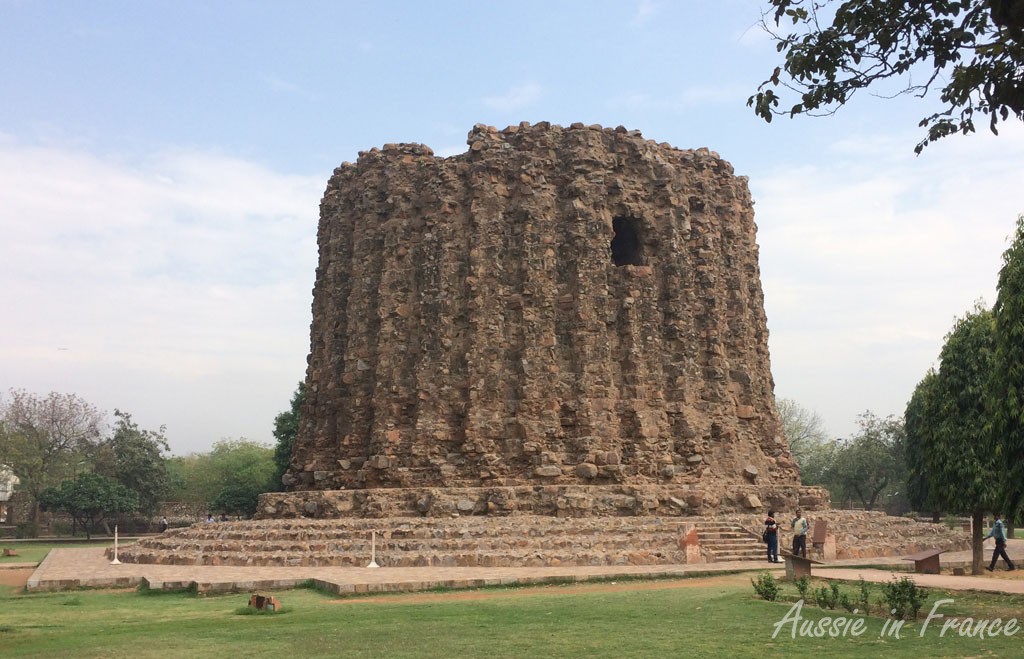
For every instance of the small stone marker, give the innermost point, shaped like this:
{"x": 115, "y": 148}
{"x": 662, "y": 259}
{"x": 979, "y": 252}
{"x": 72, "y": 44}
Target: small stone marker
{"x": 264, "y": 603}
{"x": 9, "y": 552}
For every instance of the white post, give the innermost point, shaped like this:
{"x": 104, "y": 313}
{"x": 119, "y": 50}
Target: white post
{"x": 115, "y": 561}
{"x": 373, "y": 550}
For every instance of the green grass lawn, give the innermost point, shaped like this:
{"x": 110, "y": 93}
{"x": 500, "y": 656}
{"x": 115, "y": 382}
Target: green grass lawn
{"x": 34, "y": 552}
{"x": 720, "y": 618}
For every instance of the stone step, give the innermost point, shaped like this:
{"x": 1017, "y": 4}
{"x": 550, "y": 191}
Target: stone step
{"x": 469, "y": 541}
{"x": 435, "y": 547}
{"x": 730, "y": 542}
{"x": 385, "y": 557}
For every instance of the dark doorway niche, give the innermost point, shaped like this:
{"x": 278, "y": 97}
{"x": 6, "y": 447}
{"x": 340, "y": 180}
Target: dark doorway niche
{"x": 626, "y": 246}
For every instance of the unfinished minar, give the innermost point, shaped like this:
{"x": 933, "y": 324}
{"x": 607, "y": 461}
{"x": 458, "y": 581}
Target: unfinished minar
{"x": 575, "y": 308}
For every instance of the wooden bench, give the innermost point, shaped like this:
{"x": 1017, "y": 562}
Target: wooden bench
{"x": 926, "y": 562}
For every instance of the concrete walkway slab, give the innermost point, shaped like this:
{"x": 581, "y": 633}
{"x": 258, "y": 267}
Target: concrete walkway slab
{"x": 66, "y": 568}
{"x": 89, "y": 568}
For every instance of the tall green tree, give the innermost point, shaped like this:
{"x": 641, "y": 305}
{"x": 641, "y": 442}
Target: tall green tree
{"x": 972, "y": 50}
{"x": 286, "y": 426}
{"x": 918, "y": 422}
{"x": 1006, "y": 397}
{"x": 45, "y": 440}
{"x": 135, "y": 458}
{"x": 950, "y": 445}
{"x": 89, "y": 499}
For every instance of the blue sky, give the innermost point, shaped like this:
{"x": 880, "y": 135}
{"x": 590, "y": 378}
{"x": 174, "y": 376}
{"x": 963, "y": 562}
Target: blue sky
{"x": 161, "y": 165}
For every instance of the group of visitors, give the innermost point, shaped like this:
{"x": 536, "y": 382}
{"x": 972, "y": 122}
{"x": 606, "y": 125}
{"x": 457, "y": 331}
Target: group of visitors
{"x": 799, "y": 527}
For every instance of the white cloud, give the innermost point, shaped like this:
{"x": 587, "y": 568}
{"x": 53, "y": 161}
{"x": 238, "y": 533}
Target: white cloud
{"x": 645, "y": 11}
{"x": 516, "y": 98}
{"x": 279, "y": 85}
{"x": 866, "y": 263}
{"x": 175, "y": 273}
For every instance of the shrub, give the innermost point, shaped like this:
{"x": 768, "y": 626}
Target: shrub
{"x": 766, "y": 586}
{"x": 847, "y": 602}
{"x": 826, "y": 597}
{"x": 904, "y": 598}
{"x": 803, "y": 584}
{"x": 27, "y": 530}
{"x": 864, "y": 596}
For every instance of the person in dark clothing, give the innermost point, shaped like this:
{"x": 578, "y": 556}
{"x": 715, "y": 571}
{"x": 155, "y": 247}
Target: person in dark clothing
{"x": 999, "y": 533}
{"x": 771, "y": 536}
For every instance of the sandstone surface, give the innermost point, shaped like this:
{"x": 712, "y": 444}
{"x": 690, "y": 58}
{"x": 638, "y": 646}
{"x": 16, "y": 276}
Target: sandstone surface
{"x": 557, "y": 306}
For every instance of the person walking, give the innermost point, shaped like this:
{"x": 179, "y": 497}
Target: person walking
{"x": 771, "y": 536}
{"x": 999, "y": 533}
{"x": 163, "y": 524}
{"x": 800, "y": 534}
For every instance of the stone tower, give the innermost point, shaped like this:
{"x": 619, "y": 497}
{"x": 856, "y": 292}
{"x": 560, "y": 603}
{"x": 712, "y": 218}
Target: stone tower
{"x": 576, "y": 307}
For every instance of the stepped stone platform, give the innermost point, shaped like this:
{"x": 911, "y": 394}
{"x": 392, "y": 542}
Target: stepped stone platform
{"x": 520, "y": 541}
{"x": 526, "y": 541}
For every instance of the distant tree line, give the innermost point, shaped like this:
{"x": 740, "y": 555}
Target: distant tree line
{"x": 68, "y": 459}
{"x": 867, "y": 470}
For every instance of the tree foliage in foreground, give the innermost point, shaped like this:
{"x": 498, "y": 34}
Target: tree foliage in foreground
{"x": 947, "y": 438}
{"x": 1006, "y": 398}
{"x": 89, "y": 499}
{"x": 949, "y": 443}
{"x": 973, "y": 49}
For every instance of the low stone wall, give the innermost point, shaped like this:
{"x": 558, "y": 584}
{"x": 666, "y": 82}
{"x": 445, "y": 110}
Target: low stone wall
{"x": 551, "y": 500}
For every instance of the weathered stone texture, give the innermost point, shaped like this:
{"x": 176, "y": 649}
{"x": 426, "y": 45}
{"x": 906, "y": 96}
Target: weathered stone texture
{"x": 556, "y": 306}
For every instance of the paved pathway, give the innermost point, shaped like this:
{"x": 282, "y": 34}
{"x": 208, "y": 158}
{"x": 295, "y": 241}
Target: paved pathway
{"x": 88, "y": 567}
{"x": 70, "y": 568}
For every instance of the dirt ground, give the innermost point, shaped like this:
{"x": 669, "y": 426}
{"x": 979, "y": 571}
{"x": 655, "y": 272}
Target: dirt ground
{"x": 15, "y": 577}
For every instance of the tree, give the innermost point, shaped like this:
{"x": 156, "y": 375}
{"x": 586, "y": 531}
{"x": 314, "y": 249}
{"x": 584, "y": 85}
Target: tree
{"x": 870, "y": 463}
{"x": 286, "y": 426}
{"x": 134, "y": 458}
{"x": 89, "y": 499}
{"x": 918, "y": 421}
{"x": 1006, "y": 389}
{"x": 808, "y": 440}
{"x": 974, "y": 48}
{"x": 949, "y": 446}
{"x": 43, "y": 440}
{"x": 233, "y": 472}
